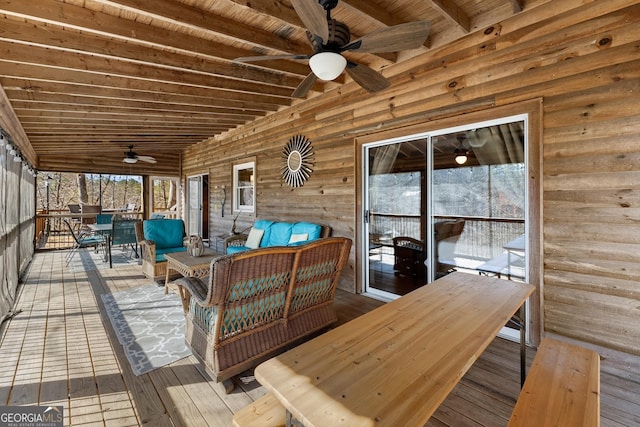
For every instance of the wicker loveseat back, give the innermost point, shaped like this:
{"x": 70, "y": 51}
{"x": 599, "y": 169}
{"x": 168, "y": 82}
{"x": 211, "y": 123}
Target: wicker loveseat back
{"x": 278, "y": 233}
{"x": 257, "y": 302}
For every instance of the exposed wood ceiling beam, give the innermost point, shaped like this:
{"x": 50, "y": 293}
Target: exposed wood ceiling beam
{"x": 82, "y": 62}
{"x": 89, "y": 21}
{"x": 110, "y": 102}
{"x": 51, "y": 73}
{"x": 16, "y": 85}
{"x": 186, "y": 16}
{"x": 450, "y": 10}
{"x": 35, "y": 106}
{"x": 518, "y": 5}
{"x": 366, "y": 8}
{"x": 287, "y": 14}
{"x": 98, "y": 114}
{"x": 81, "y": 129}
{"x": 277, "y": 8}
{"x": 56, "y": 37}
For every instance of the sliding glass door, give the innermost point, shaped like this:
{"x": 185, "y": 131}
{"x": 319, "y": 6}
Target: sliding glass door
{"x": 448, "y": 200}
{"x": 478, "y": 200}
{"x": 198, "y": 205}
{"x": 395, "y": 216}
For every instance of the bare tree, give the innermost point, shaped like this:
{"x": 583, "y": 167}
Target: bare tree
{"x": 83, "y": 195}
{"x": 172, "y": 194}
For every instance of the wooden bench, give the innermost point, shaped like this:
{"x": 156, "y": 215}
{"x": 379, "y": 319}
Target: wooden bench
{"x": 562, "y": 388}
{"x": 264, "y": 412}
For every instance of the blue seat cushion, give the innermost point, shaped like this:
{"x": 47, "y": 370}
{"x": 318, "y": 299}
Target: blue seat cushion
{"x": 167, "y": 233}
{"x": 236, "y": 249}
{"x": 280, "y": 233}
{"x": 313, "y": 230}
{"x": 91, "y": 240}
{"x": 160, "y": 252}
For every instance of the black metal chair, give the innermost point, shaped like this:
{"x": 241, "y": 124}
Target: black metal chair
{"x": 85, "y": 239}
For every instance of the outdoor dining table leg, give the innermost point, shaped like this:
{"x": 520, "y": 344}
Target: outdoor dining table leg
{"x": 523, "y": 345}
{"x": 291, "y": 421}
{"x": 108, "y": 237}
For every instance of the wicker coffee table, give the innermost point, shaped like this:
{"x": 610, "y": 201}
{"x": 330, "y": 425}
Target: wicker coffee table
{"x": 188, "y": 266}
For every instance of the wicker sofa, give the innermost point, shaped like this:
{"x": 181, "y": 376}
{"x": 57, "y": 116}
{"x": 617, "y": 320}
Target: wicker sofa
{"x": 256, "y": 303}
{"x": 276, "y": 233}
{"x": 157, "y": 237}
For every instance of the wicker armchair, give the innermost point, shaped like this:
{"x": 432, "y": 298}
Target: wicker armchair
{"x": 409, "y": 256}
{"x": 255, "y": 303}
{"x": 155, "y": 238}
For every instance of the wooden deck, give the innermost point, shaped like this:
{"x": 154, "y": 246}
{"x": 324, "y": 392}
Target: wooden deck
{"x": 61, "y": 350}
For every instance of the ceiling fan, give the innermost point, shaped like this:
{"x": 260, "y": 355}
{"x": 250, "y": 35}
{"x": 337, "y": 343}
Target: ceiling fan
{"x": 329, "y": 38}
{"x": 133, "y": 157}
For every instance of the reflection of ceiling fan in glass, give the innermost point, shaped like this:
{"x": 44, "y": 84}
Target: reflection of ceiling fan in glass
{"x": 329, "y": 38}
{"x": 133, "y": 157}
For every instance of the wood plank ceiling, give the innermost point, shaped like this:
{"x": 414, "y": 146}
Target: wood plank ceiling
{"x": 88, "y": 78}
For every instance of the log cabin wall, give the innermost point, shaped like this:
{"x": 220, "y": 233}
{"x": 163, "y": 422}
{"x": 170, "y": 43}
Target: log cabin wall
{"x": 582, "y": 59}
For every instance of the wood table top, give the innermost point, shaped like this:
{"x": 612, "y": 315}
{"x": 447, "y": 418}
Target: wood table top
{"x": 100, "y": 227}
{"x": 396, "y": 364}
{"x": 187, "y": 260}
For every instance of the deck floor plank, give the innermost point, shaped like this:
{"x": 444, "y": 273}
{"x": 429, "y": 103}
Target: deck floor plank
{"x": 54, "y": 381}
{"x": 26, "y": 382}
{"x": 171, "y": 389}
{"x": 62, "y": 342}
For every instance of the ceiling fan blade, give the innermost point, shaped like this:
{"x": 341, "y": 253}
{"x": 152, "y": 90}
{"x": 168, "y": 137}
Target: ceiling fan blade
{"x": 392, "y": 39}
{"x": 369, "y": 79}
{"x": 313, "y": 16}
{"x": 304, "y": 86}
{"x": 147, "y": 159}
{"x": 269, "y": 58}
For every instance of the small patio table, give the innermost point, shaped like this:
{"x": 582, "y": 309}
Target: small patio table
{"x": 396, "y": 364}
{"x": 189, "y": 266}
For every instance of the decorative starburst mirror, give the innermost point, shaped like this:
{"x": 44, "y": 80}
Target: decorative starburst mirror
{"x": 298, "y": 156}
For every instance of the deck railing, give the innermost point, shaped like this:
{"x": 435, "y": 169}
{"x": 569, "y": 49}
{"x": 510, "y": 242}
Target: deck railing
{"x": 482, "y": 238}
{"x": 52, "y": 232}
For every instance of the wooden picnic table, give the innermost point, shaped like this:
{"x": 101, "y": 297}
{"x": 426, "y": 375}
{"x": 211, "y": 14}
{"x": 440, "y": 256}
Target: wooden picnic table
{"x": 396, "y": 364}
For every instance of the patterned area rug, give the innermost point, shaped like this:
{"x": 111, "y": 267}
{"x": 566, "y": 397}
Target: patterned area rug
{"x": 149, "y": 325}
{"x": 87, "y": 259}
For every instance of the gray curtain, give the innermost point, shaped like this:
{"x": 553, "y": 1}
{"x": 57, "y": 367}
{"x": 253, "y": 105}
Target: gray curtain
{"x": 383, "y": 159}
{"x": 499, "y": 144}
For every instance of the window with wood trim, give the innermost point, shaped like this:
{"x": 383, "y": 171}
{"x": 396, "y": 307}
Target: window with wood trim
{"x": 244, "y": 187}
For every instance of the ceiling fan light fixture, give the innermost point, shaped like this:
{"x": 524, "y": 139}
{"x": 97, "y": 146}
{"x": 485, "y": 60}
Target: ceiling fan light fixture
{"x": 461, "y": 156}
{"x": 129, "y": 160}
{"x": 327, "y": 65}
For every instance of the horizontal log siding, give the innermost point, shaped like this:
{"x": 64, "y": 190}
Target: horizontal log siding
{"x": 582, "y": 59}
